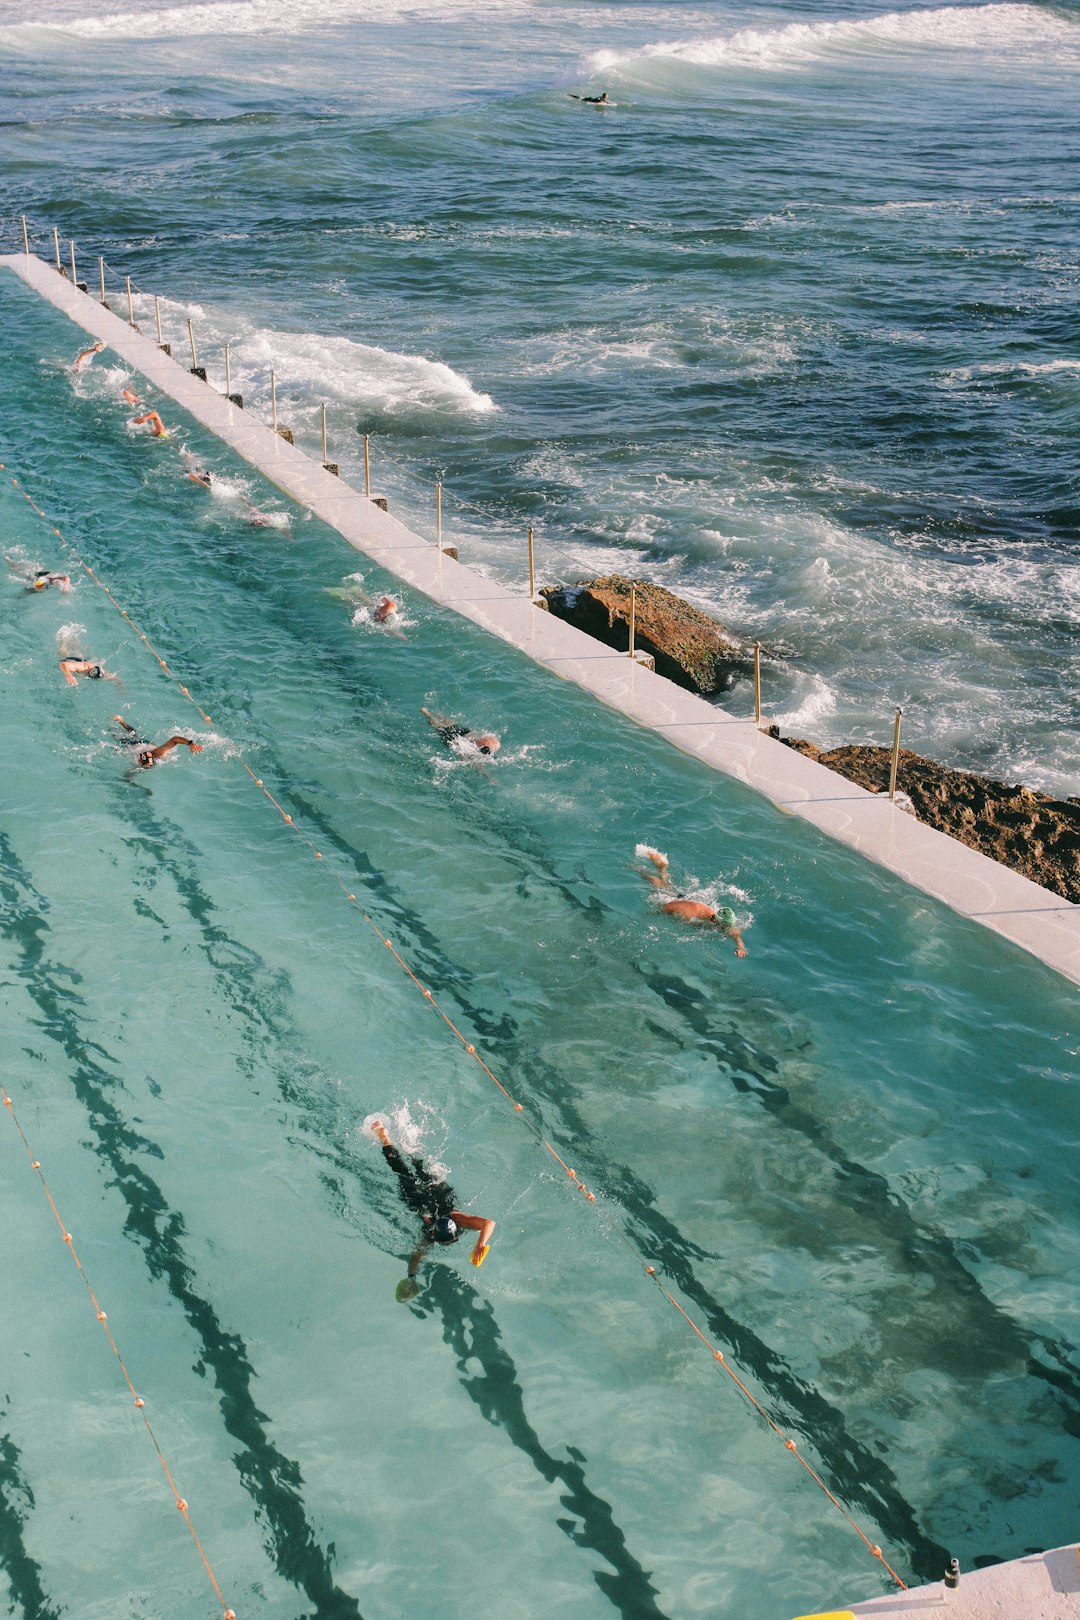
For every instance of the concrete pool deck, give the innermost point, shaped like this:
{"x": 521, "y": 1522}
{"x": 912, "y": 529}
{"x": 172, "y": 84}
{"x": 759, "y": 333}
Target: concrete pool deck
{"x": 1044, "y": 1586}
{"x": 971, "y": 884}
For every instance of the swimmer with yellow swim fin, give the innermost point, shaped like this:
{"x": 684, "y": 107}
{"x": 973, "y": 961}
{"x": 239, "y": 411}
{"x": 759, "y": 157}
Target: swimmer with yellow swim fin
{"x": 433, "y": 1201}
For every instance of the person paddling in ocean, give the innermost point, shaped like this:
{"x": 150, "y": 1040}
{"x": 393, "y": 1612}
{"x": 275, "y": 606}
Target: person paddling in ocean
{"x": 480, "y": 742}
{"x": 433, "y": 1201}
{"x": 148, "y": 755}
{"x": 678, "y": 905}
{"x": 592, "y": 101}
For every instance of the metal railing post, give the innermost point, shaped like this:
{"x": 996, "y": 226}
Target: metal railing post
{"x": 895, "y": 755}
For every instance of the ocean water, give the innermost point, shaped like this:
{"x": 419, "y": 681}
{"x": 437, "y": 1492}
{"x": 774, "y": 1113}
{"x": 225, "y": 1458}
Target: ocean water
{"x": 789, "y": 327}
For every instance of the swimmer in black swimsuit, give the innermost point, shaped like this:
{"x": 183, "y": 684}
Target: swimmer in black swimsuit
{"x": 70, "y": 667}
{"x": 148, "y": 755}
{"x": 38, "y": 579}
{"x": 197, "y": 474}
{"x": 433, "y": 1202}
{"x": 592, "y": 101}
{"x": 484, "y": 742}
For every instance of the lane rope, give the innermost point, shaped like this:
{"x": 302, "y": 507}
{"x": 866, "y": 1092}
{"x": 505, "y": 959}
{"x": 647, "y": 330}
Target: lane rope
{"x": 647, "y": 1268}
{"x": 69, "y": 1243}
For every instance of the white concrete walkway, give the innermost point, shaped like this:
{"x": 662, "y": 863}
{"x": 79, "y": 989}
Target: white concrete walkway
{"x": 1045, "y": 1586}
{"x": 973, "y": 885}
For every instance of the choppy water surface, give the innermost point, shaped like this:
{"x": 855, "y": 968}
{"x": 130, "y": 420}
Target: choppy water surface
{"x": 788, "y": 328}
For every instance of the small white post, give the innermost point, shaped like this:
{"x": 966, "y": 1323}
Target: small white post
{"x": 757, "y": 683}
{"x": 228, "y": 374}
{"x": 191, "y": 340}
{"x": 367, "y": 468}
{"x": 56, "y": 245}
{"x": 324, "y": 435}
{"x": 633, "y": 617}
{"x": 438, "y": 516}
{"x": 74, "y": 278}
{"x": 273, "y": 401}
{"x": 131, "y": 306}
{"x": 532, "y": 571}
{"x": 26, "y": 241}
{"x": 101, "y": 276}
{"x": 895, "y": 755}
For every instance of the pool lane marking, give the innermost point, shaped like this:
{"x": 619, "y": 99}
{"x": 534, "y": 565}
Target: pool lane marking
{"x": 69, "y": 1241}
{"x": 470, "y": 1048}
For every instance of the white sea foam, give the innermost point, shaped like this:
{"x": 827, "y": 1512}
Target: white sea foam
{"x": 959, "y": 376}
{"x": 313, "y": 367}
{"x": 1006, "y": 29}
{"x": 224, "y": 17}
{"x": 361, "y": 374}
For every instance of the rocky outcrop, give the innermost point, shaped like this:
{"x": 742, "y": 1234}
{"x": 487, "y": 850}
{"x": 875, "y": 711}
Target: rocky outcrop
{"x": 1028, "y": 831}
{"x": 688, "y": 646}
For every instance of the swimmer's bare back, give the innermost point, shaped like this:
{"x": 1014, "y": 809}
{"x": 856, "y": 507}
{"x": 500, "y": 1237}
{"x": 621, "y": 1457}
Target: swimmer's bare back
{"x": 689, "y": 910}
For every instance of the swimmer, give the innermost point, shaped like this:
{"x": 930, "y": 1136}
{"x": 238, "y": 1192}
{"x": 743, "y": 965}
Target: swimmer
{"x": 83, "y": 360}
{"x": 691, "y": 911}
{"x": 73, "y": 663}
{"x": 433, "y": 1201}
{"x": 384, "y": 607}
{"x": 70, "y": 667}
{"x": 484, "y": 742}
{"x": 197, "y": 474}
{"x": 130, "y": 397}
{"x": 147, "y": 755}
{"x": 592, "y": 101}
{"x": 157, "y": 426}
{"x": 38, "y": 579}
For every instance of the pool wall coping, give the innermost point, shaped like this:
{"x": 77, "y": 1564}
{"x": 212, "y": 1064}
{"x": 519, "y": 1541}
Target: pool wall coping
{"x": 971, "y": 884}
{"x": 1042, "y": 1586}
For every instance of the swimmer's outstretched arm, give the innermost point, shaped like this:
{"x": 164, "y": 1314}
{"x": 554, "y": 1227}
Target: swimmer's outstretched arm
{"x": 157, "y": 426}
{"x": 740, "y": 948}
{"x": 416, "y": 1259}
{"x": 84, "y": 359}
{"x": 475, "y": 1223}
{"x": 174, "y": 742}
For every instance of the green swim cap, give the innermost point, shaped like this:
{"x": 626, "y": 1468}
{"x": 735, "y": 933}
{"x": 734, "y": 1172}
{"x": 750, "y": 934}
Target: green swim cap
{"x": 726, "y": 917}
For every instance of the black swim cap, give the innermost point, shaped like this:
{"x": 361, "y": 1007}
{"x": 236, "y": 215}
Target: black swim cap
{"x": 444, "y": 1230}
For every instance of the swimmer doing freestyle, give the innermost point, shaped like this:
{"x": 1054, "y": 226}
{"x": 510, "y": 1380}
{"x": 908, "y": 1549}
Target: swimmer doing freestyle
{"x": 484, "y": 742}
{"x": 433, "y": 1201}
{"x": 691, "y": 911}
{"x": 83, "y": 360}
{"x": 158, "y": 429}
{"x": 73, "y": 663}
{"x": 147, "y": 755}
{"x": 38, "y": 579}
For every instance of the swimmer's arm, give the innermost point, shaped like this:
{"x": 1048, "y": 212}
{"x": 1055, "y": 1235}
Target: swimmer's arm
{"x": 475, "y": 1223}
{"x": 740, "y": 948}
{"x": 174, "y": 742}
{"x": 66, "y": 673}
{"x": 416, "y": 1259}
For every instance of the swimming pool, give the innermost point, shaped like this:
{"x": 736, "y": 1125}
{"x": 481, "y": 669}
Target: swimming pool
{"x": 850, "y": 1155}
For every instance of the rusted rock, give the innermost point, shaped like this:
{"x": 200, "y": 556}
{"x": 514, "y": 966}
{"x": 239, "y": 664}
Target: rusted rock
{"x": 1028, "y": 831}
{"x": 689, "y": 647}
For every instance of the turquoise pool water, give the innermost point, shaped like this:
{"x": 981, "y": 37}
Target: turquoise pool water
{"x": 852, "y": 1155}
